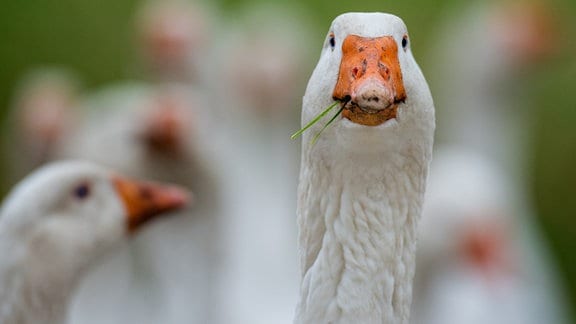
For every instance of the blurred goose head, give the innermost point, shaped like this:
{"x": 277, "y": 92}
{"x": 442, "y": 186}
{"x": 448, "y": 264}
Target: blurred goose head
{"x": 172, "y": 34}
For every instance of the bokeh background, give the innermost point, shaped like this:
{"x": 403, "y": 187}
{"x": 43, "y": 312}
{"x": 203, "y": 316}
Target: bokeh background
{"x": 96, "y": 39}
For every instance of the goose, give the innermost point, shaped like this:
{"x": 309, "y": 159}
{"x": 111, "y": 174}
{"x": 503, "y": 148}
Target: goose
{"x": 263, "y": 76}
{"x": 467, "y": 266}
{"x": 154, "y": 132}
{"x": 478, "y": 80}
{"x": 480, "y": 86}
{"x": 263, "y": 73}
{"x": 362, "y": 182}
{"x": 60, "y": 221}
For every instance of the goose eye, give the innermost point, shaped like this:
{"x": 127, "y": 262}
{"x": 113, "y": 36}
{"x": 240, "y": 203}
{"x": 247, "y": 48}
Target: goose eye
{"x": 405, "y": 42}
{"x": 332, "y": 40}
{"x": 82, "y": 191}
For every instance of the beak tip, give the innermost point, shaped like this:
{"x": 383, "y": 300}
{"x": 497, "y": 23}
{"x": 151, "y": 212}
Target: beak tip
{"x": 144, "y": 201}
{"x": 180, "y": 197}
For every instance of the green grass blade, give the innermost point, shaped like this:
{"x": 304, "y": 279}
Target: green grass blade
{"x": 314, "y": 121}
{"x": 315, "y": 138}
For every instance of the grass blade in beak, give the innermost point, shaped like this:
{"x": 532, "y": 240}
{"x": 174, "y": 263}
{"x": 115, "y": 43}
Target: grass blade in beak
{"x": 315, "y": 138}
{"x": 314, "y": 121}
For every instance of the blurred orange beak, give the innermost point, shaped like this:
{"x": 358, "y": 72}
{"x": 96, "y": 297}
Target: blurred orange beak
{"x": 486, "y": 246}
{"x": 164, "y": 131}
{"x": 369, "y": 80}
{"x": 144, "y": 201}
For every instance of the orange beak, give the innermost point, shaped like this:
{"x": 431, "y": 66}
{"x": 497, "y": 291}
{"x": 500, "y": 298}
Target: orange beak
{"x": 144, "y": 200}
{"x": 370, "y": 80}
{"x": 164, "y": 131}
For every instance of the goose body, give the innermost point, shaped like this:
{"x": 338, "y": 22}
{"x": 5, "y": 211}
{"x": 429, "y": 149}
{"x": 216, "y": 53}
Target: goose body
{"x": 57, "y": 223}
{"x": 362, "y": 183}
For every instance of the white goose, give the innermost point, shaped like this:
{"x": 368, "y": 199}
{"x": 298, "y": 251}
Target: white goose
{"x": 154, "y": 133}
{"x": 362, "y": 184}
{"x": 467, "y": 268}
{"x": 487, "y": 111}
{"x": 263, "y": 75}
{"x": 56, "y": 223}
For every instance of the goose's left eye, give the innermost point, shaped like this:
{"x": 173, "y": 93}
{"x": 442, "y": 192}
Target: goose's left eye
{"x": 405, "y": 42}
{"x": 82, "y": 191}
{"x": 332, "y": 40}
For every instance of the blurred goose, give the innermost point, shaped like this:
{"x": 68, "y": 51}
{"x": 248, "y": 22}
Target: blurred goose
{"x": 259, "y": 66}
{"x": 263, "y": 76}
{"x": 482, "y": 58}
{"x": 157, "y": 133}
{"x": 362, "y": 183}
{"x": 57, "y": 223}
{"x": 479, "y": 76}
{"x": 468, "y": 268}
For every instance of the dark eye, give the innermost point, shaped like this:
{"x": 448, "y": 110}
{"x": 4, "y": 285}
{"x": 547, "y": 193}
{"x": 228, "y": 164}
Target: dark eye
{"x": 405, "y": 42}
{"x": 332, "y": 40}
{"x": 82, "y": 191}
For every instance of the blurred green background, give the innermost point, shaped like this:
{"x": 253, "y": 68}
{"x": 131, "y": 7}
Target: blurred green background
{"x": 95, "y": 39}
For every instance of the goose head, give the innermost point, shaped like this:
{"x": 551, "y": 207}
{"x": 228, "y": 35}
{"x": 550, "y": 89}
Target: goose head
{"x": 171, "y": 33}
{"x": 65, "y": 215}
{"x": 367, "y": 66}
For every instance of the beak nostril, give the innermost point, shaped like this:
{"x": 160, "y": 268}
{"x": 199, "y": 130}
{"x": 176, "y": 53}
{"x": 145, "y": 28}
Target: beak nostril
{"x": 145, "y": 193}
{"x": 384, "y": 70}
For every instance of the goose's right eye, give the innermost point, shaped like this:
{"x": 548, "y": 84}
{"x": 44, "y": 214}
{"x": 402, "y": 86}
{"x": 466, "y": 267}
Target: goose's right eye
{"x": 82, "y": 191}
{"x": 332, "y": 41}
{"x": 405, "y": 42}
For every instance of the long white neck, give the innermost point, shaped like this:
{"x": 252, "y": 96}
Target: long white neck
{"x": 357, "y": 218}
{"x": 30, "y": 293}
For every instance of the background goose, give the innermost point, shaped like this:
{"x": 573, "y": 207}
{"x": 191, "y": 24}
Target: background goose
{"x": 57, "y": 223}
{"x": 261, "y": 73}
{"x": 468, "y": 263}
{"x": 480, "y": 84}
{"x": 153, "y": 132}
{"x": 362, "y": 184}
